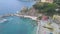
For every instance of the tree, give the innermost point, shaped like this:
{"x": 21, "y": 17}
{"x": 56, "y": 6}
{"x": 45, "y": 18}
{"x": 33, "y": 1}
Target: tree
{"x": 57, "y": 2}
{"x": 46, "y": 8}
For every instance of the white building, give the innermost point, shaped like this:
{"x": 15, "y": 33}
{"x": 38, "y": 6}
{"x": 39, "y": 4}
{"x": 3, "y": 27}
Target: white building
{"x": 49, "y": 1}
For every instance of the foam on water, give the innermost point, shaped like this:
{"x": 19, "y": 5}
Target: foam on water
{"x": 3, "y": 20}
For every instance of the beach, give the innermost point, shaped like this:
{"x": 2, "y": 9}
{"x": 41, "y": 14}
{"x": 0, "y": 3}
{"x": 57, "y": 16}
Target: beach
{"x": 27, "y": 16}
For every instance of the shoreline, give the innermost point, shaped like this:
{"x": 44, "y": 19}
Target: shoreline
{"x": 26, "y": 16}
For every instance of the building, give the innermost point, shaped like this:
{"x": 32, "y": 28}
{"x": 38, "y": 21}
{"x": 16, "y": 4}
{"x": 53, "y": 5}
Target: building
{"x": 49, "y": 1}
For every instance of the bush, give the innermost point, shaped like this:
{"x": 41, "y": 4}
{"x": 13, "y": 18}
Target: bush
{"x": 46, "y": 8}
{"x": 39, "y": 18}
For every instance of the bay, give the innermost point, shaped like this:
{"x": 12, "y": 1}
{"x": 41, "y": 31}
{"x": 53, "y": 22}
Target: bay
{"x": 18, "y": 25}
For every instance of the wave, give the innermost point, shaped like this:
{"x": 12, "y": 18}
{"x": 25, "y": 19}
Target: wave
{"x": 3, "y": 20}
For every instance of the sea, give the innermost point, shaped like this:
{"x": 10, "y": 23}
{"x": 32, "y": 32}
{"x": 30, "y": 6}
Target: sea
{"x": 12, "y": 6}
{"x": 15, "y": 24}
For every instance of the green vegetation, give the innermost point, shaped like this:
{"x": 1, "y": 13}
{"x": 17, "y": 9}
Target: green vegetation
{"x": 57, "y": 2}
{"x": 39, "y": 18}
{"x": 46, "y": 8}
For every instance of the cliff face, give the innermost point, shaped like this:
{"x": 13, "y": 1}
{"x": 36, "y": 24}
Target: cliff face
{"x": 23, "y": 11}
{"x": 31, "y": 12}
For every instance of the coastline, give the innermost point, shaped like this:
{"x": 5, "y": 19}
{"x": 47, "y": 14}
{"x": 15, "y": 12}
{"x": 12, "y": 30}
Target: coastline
{"x": 26, "y": 16}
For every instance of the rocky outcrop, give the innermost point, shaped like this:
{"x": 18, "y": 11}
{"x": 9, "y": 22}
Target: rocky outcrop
{"x": 31, "y": 12}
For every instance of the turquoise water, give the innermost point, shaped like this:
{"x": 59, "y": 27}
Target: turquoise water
{"x": 18, "y": 25}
